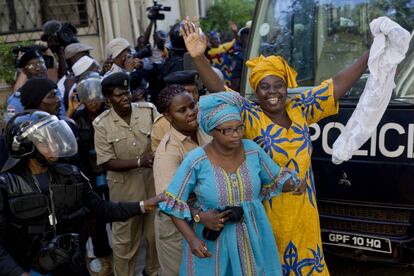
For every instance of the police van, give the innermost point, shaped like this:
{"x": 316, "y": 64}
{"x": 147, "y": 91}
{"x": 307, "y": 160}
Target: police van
{"x": 366, "y": 205}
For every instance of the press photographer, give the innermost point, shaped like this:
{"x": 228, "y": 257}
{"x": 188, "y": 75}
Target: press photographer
{"x": 45, "y": 205}
{"x": 58, "y": 35}
{"x": 32, "y": 62}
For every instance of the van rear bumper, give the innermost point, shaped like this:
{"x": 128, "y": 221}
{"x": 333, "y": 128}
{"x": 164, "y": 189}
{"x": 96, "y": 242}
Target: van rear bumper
{"x": 389, "y": 224}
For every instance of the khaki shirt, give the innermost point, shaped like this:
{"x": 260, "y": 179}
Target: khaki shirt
{"x": 115, "y": 139}
{"x": 160, "y": 128}
{"x": 170, "y": 153}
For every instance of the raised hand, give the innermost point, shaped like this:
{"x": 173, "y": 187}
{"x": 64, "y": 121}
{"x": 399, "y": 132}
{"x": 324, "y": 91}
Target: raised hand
{"x": 233, "y": 27}
{"x": 195, "y": 40}
{"x": 73, "y": 104}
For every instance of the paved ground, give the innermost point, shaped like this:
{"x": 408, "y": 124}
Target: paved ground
{"x": 343, "y": 267}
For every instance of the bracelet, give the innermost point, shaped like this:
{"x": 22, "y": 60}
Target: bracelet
{"x": 142, "y": 206}
{"x": 139, "y": 162}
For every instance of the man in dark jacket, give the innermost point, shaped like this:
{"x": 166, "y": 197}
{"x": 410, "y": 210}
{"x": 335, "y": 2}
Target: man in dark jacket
{"x": 45, "y": 205}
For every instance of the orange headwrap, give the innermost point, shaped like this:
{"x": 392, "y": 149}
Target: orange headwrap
{"x": 262, "y": 67}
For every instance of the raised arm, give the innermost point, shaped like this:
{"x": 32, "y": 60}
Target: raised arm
{"x": 344, "y": 80}
{"x": 196, "y": 44}
{"x": 147, "y": 32}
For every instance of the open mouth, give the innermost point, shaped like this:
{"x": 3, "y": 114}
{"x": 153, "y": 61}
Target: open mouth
{"x": 273, "y": 101}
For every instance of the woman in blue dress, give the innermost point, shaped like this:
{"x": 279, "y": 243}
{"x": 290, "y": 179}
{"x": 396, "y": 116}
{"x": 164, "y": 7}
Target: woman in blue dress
{"x": 234, "y": 173}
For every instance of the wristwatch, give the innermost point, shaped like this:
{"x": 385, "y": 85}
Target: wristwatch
{"x": 197, "y": 217}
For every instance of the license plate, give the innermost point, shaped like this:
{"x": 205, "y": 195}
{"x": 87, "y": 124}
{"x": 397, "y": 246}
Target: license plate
{"x": 357, "y": 241}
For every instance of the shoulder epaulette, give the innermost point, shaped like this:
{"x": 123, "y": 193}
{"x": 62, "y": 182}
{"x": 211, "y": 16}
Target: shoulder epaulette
{"x": 158, "y": 118}
{"x": 145, "y": 105}
{"x": 101, "y": 116}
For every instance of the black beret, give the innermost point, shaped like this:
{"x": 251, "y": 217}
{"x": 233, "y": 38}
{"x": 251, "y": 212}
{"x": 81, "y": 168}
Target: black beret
{"x": 114, "y": 80}
{"x": 27, "y": 56}
{"x": 182, "y": 77}
{"x": 118, "y": 79}
{"x": 34, "y": 91}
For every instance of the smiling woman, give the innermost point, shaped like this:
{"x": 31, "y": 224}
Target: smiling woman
{"x": 280, "y": 126}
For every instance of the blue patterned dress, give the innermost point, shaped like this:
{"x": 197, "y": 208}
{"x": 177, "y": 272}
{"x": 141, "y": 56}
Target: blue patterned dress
{"x": 244, "y": 248}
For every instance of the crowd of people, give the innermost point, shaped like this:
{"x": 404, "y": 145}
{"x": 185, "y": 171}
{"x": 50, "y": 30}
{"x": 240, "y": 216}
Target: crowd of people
{"x": 157, "y": 142}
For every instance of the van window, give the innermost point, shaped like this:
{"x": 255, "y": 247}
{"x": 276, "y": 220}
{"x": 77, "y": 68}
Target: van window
{"x": 320, "y": 38}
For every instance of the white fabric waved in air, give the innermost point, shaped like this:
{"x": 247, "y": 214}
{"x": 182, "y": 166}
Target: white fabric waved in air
{"x": 390, "y": 45}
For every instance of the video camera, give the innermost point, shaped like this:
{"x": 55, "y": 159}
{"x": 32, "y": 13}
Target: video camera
{"x": 154, "y": 11}
{"x": 16, "y": 50}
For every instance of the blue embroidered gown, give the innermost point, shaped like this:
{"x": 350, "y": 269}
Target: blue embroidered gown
{"x": 244, "y": 248}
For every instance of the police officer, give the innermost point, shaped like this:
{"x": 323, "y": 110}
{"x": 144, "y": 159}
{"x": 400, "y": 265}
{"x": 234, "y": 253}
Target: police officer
{"x": 37, "y": 93}
{"x": 122, "y": 143}
{"x": 90, "y": 95}
{"x": 189, "y": 79}
{"x": 44, "y": 204}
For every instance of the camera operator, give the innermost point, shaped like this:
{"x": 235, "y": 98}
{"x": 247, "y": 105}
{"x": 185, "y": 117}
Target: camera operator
{"x": 123, "y": 58}
{"x": 32, "y": 65}
{"x": 44, "y": 204}
{"x": 58, "y": 35}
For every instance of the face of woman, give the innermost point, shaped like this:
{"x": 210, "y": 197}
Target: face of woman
{"x": 272, "y": 93}
{"x": 229, "y": 134}
{"x": 182, "y": 113}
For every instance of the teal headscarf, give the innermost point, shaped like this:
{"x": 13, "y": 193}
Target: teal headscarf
{"x": 218, "y": 108}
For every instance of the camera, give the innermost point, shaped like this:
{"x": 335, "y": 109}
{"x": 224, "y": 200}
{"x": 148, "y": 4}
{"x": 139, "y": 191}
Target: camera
{"x": 62, "y": 249}
{"x": 143, "y": 53}
{"x": 49, "y": 61}
{"x": 154, "y": 11}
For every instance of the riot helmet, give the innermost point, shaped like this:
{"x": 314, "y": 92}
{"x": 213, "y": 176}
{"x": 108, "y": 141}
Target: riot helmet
{"x": 34, "y": 131}
{"x": 90, "y": 89}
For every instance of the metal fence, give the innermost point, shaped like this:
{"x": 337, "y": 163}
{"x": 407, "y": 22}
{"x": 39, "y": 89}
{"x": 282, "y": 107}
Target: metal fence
{"x": 23, "y": 19}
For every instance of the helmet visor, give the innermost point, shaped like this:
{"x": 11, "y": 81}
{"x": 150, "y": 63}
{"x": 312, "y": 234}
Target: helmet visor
{"x": 90, "y": 90}
{"x": 53, "y": 138}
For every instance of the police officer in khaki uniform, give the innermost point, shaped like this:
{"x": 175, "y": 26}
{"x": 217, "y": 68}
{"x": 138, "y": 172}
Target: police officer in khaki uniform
{"x": 187, "y": 78}
{"x": 123, "y": 147}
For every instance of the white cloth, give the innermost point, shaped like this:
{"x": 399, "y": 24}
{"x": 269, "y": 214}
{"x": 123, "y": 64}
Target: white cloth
{"x": 388, "y": 49}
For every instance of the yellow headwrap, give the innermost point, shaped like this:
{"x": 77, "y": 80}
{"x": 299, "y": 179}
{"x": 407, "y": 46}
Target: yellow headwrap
{"x": 262, "y": 67}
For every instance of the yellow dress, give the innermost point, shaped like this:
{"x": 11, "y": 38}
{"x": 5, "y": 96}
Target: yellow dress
{"x": 294, "y": 219}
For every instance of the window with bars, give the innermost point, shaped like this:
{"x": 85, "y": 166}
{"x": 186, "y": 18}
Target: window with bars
{"x": 25, "y": 16}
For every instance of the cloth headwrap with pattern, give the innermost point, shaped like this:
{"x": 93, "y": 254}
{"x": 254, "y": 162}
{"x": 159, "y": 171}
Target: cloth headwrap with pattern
{"x": 218, "y": 108}
{"x": 262, "y": 67}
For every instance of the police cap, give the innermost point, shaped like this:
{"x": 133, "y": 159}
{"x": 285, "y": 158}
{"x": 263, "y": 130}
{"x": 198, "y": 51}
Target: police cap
{"x": 182, "y": 77}
{"x": 114, "y": 80}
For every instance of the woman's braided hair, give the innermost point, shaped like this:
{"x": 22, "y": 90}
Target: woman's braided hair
{"x": 167, "y": 94}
